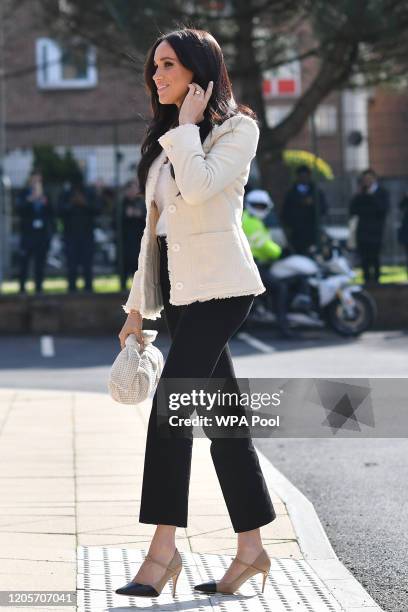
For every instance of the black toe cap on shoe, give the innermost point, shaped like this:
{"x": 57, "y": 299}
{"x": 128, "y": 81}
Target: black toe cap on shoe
{"x": 206, "y": 587}
{"x": 135, "y": 589}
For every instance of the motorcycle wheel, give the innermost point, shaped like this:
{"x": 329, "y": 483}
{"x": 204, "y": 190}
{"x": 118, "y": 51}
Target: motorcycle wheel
{"x": 362, "y": 319}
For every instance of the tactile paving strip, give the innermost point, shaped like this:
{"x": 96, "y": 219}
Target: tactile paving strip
{"x": 292, "y": 585}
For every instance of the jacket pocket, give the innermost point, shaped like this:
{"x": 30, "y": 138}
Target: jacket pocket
{"x": 216, "y": 259}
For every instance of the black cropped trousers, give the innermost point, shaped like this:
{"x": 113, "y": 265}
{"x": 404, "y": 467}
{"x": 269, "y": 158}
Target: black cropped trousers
{"x": 200, "y": 332}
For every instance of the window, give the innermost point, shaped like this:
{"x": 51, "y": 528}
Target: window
{"x": 283, "y": 81}
{"x": 275, "y": 114}
{"x": 65, "y": 67}
{"x": 325, "y": 119}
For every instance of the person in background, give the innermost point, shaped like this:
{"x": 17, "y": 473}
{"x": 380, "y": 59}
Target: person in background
{"x": 265, "y": 251}
{"x": 403, "y": 228}
{"x": 303, "y": 209}
{"x": 133, "y": 224}
{"x": 78, "y": 206}
{"x": 37, "y": 225}
{"x": 370, "y": 205}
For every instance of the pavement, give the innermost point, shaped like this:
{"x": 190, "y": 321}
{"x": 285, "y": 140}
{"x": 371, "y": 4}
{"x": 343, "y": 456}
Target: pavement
{"x": 71, "y": 467}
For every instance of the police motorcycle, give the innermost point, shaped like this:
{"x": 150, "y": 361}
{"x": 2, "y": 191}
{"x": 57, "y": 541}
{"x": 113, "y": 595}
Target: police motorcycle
{"x": 322, "y": 291}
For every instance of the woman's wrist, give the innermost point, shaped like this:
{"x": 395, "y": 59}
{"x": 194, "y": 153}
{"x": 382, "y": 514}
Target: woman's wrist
{"x": 133, "y": 311}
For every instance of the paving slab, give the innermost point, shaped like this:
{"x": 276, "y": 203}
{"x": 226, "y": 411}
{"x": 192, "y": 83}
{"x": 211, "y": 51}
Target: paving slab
{"x": 71, "y": 473}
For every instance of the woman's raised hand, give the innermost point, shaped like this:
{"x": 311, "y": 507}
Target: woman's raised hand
{"x": 194, "y": 105}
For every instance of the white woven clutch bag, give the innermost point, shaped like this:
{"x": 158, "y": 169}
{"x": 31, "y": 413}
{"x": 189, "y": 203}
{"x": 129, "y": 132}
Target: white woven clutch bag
{"x": 135, "y": 374}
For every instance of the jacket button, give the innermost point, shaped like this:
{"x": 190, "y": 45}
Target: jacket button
{"x": 179, "y": 285}
{"x": 176, "y": 247}
{"x": 172, "y": 208}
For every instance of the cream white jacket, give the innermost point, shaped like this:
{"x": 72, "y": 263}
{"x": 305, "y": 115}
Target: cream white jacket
{"x": 208, "y": 253}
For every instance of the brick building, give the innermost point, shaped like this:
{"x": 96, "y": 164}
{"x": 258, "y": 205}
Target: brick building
{"x": 101, "y": 110}
{"x": 79, "y": 102}
{"x": 74, "y": 98}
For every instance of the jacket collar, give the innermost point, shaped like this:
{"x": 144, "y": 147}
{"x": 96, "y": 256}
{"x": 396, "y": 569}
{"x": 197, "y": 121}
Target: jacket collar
{"x": 154, "y": 169}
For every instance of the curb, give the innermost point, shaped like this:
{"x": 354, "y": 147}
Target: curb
{"x": 315, "y": 545}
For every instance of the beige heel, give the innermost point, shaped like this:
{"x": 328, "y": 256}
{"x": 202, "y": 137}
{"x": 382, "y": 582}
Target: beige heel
{"x": 137, "y": 589}
{"x": 175, "y": 578}
{"x": 261, "y": 565}
{"x": 264, "y": 580}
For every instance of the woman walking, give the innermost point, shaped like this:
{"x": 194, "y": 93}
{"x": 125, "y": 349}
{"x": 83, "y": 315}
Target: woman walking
{"x": 196, "y": 264}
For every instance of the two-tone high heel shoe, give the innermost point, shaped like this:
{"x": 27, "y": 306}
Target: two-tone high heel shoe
{"x": 261, "y": 565}
{"x": 136, "y": 589}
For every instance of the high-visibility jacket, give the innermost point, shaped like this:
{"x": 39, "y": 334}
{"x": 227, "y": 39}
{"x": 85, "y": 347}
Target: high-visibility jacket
{"x": 263, "y": 248}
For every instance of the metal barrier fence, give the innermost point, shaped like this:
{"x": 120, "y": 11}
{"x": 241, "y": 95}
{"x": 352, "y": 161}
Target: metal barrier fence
{"x": 108, "y": 153}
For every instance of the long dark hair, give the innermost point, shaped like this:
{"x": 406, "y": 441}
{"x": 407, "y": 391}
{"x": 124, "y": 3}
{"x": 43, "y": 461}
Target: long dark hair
{"x": 198, "y": 51}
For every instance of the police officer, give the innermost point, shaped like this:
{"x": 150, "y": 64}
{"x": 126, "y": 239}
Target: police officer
{"x": 304, "y": 206}
{"x": 36, "y": 229}
{"x": 370, "y": 205}
{"x": 258, "y": 204}
{"x": 78, "y": 207}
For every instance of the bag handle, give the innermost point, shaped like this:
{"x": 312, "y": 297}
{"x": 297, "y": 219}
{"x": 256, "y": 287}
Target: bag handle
{"x": 149, "y": 336}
